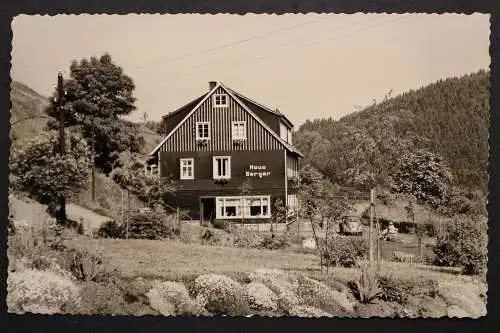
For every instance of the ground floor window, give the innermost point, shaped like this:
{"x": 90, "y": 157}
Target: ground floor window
{"x": 292, "y": 203}
{"x": 243, "y": 207}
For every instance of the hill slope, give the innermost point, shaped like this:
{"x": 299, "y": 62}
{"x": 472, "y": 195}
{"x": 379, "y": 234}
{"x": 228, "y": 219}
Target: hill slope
{"x": 449, "y": 117}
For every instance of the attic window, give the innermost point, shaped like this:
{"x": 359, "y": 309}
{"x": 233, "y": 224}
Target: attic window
{"x": 220, "y": 100}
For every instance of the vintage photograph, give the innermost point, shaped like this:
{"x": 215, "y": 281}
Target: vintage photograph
{"x": 298, "y": 165}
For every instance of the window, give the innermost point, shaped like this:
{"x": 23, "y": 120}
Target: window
{"x": 203, "y": 130}
{"x": 243, "y": 207}
{"x": 239, "y": 130}
{"x": 222, "y": 167}
{"x": 283, "y": 132}
{"x": 187, "y": 168}
{"x": 292, "y": 203}
{"x": 220, "y": 100}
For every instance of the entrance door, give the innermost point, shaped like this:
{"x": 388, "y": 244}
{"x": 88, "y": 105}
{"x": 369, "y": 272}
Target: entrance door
{"x": 207, "y": 207}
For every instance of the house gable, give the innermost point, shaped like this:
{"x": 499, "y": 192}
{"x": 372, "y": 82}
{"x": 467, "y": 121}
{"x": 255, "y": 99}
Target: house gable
{"x": 260, "y": 136}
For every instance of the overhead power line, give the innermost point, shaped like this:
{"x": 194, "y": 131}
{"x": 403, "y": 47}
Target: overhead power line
{"x": 241, "y": 41}
{"x": 288, "y": 49}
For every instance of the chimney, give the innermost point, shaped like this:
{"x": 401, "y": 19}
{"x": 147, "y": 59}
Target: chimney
{"x": 211, "y": 85}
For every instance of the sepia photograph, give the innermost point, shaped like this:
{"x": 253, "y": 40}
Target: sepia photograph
{"x": 295, "y": 165}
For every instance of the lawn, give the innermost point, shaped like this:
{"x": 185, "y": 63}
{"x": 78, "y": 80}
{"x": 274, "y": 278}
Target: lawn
{"x": 175, "y": 260}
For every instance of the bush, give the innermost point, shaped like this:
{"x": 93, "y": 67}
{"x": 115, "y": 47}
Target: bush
{"x": 152, "y": 225}
{"x": 172, "y": 298}
{"x": 398, "y": 290}
{"x": 40, "y": 292}
{"x": 319, "y": 295}
{"x": 260, "y": 297}
{"x": 366, "y": 287}
{"x": 111, "y": 229}
{"x": 273, "y": 243}
{"x": 246, "y": 239}
{"x": 221, "y": 224}
{"x": 220, "y": 294}
{"x": 463, "y": 244}
{"x": 86, "y": 264}
{"x": 343, "y": 251}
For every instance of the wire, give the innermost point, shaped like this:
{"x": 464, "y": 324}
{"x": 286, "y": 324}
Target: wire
{"x": 289, "y": 49}
{"x": 241, "y": 41}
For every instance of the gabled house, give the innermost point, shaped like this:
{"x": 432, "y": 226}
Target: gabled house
{"x": 220, "y": 141}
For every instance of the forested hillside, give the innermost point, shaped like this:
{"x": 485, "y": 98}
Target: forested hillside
{"x": 449, "y": 117}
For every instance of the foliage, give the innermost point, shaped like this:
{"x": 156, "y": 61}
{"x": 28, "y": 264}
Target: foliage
{"x": 111, "y": 229}
{"x": 398, "y": 290}
{"x": 86, "y": 264}
{"x": 150, "y": 189}
{"x": 464, "y": 244}
{"x": 220, "y": 295}
{"x": 343, "y": 251}
{"x": 246, "y": 239}
{"x": 449, "y": 118}
{"x": 221, "y": 224}
{"x": 44, "y": 175}
{"x": 366, "y": 286}
{"x": 152, "y": 225}
{"x": 44, "y": 292}
{"x": 273, "y": 242}
{"x": 279, "y": 213}
{"x": 260, "y": 297}
{"x": 424, "y": 175}
{"x": 96, "y": 94}
{"x": 172, "y": 298}
{"x": 319, "y": 295}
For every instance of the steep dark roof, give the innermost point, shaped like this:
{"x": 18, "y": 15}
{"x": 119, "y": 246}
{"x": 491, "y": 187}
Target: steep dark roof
{"x": 253, "y": 105}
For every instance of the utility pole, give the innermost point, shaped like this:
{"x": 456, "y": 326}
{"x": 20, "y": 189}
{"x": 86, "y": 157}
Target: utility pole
{"x": 62, "y": 141}
{"x": 93, "y": 161}
{"x": 372, "y": 208}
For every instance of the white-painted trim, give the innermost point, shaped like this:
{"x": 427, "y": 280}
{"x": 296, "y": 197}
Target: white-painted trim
{"x": 242, "y": 207}
{"x": 215, "y": 105}
{"x": 214, "y": 167}
{"x": 231, "y": 94}
{"x": 198, "y": 133}
{"x": 244, "y": 132}
{"x": 185, "y": 118}
{"x": 181, "y": 177}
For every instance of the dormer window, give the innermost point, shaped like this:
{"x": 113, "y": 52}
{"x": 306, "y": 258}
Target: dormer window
{"x": 220, "y": 100}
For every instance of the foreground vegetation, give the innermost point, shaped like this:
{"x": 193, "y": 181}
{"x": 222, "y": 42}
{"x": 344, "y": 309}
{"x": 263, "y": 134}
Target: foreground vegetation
{"x": 54, "y": 270}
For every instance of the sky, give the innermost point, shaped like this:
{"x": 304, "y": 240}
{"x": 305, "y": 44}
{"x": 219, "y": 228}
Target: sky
{"x": 307, "y": 65}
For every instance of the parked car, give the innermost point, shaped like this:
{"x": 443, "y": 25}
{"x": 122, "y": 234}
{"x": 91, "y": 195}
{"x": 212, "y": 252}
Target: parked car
{"x": 351, "y": 226}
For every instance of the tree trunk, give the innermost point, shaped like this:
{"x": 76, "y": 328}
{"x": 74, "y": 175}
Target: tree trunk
{"x": 318, "y": 246}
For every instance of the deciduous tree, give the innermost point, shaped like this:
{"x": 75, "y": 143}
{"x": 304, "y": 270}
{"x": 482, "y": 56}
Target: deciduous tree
{"x": 45, "y": 175}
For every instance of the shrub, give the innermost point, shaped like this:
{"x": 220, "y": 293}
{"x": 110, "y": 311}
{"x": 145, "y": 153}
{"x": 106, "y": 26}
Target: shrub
{"x": 40, "y": 292}
{"x": 308, "y": 311}
{"x": 398, "y": 290}
{"x": 220, "y": 294}
{"x": 260, "y": 297}
{"x": 343, "y": 251}
{"x": 463, "y": 244}
{"x": 208, "y": 236}
{"x": 246, "y": 239}
{"x": 172, "y": 298}
{"x": 86, "y": 264}
{"x": 221, "y": 224}
{"x": 152, "y": 225}
{"x": 273, "y": 243}
{"x": 282, "y": 284}
{"x": 366, "y": 286}
{"x": 319, "y": 295}
{"x": 111, "y": 229}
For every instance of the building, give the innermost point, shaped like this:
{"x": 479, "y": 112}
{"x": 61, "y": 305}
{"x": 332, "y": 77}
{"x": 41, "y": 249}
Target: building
{"x": 231, "y": 157}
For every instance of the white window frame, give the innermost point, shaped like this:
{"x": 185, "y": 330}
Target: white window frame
{"x": 215, "y": 167}
{"x": 292, "y": 206}
{"x": 233, "y": 132}
{"x": 200, "y": 123}
{"x": 242, "y": 209}
{"x": 220, "y": 105}
{"x": 191, "y": 165}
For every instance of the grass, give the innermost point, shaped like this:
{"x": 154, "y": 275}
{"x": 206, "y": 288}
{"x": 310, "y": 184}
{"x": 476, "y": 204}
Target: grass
{"x": 176, "y": 260}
